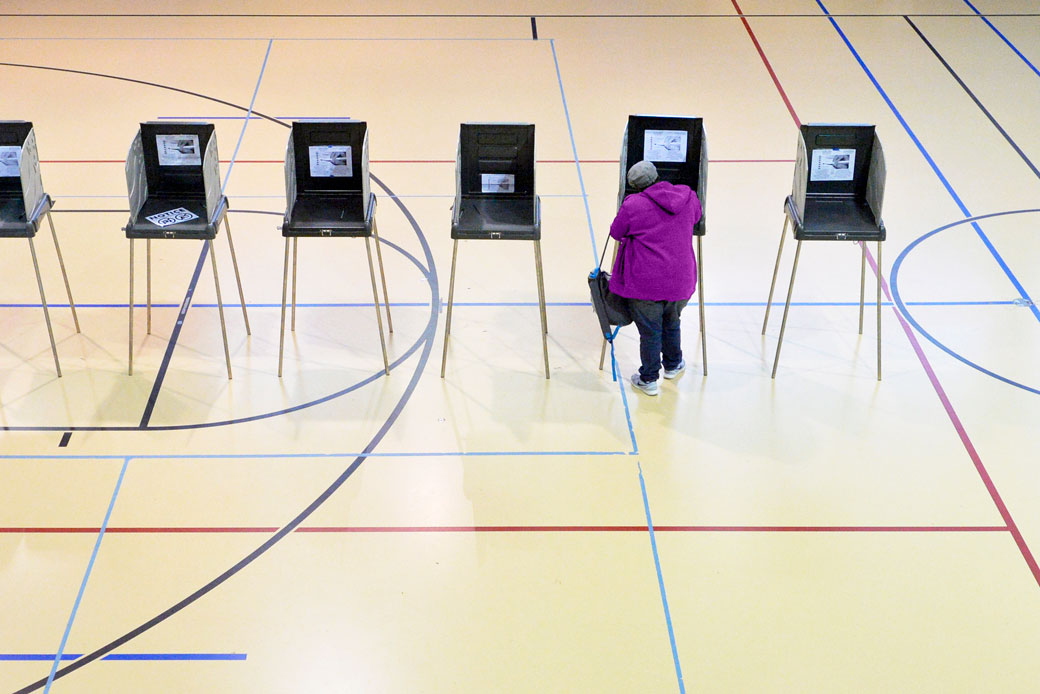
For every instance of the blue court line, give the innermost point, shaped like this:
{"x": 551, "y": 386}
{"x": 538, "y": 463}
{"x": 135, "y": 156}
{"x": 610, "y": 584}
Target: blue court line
{"x": 660, "y": 581}
{"x": 26, "y": 657}
{"x": 86, "y": 576}
{"x": 186, "y": 304}
{"x": 622, "y": 380}
{"x": 486, "y": 304}
{"x": 298, "y": 456}
{"x": 931, "y": 162}
{"x": 1003, "y": 38}
{"x": 574, "y": 149}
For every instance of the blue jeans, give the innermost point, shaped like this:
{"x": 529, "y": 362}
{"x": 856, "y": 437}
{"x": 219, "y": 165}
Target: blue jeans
{"x": 658, "y": 324}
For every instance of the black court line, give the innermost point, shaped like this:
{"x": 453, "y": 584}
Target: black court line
{"x": 985, "y": 111}
{"x": 65, "y": 439}
{"x": 428, "y": 338}
{"x": 534, "y": 29}
{"x": 174, "y": 336}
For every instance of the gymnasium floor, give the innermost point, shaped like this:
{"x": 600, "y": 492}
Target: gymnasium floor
{"x": 339, "y": 530}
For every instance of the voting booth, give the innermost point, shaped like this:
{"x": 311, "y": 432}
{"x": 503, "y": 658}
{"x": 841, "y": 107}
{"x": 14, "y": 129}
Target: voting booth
{"x": 173, "y": 182}
{"x": 495, "y": 199}
{"x": 24, "y": 204}
{"x": 327, "y": 195}
{"x": 838, "y": 190}
{"x": 679, "y": 151}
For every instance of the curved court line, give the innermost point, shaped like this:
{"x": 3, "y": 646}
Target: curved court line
{"x": 897, "y": 299}
{"x": 266, "y": 415}
{"x": 427, "y": 339}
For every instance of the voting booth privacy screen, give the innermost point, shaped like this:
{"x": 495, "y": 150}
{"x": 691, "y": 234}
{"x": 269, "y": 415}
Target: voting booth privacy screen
{"x": 22, "y": 200}
{"x": 494, "y": 183}
{"x": 327, "y": 181}
{"x": 677, "y": 148}
{"x": 173, "y": 182}
{"x": 839, "y": 183}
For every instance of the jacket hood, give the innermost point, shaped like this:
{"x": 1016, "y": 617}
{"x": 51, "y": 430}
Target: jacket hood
{"x": 670, "y": 198}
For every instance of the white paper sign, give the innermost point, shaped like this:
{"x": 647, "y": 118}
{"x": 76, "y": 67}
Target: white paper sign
{"x": 497, "y": 183}
{"x": 832, "y": 165}
{"x": 178, "y": 150}
{"x": 10, "y": 157}
{"x": 665, "y": 145}
{"x": 331, "y": 160}
{"x": 165, "y": 219}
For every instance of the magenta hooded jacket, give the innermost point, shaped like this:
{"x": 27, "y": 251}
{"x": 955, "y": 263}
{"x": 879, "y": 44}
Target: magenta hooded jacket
{"x": 655, "y": 259}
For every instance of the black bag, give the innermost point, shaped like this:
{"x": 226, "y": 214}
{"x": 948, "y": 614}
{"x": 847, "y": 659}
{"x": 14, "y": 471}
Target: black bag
{"x": 611, "y": 309}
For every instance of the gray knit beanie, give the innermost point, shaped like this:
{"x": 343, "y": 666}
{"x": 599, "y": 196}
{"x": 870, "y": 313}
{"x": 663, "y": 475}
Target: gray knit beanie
{"x": 643, "y": 174}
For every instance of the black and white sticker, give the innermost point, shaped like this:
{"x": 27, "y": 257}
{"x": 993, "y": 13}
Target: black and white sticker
{"x": 165, "y": 219}
{"x": 10, "y": 158}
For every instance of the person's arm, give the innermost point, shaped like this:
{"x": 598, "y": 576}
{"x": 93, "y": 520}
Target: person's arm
{"x": 620, "y": 226}
{"x": 695, "y": 203}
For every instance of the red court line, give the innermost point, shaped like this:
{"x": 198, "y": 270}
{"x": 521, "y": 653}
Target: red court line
{"x": 765, "y": 60}
{"x": 947, "y": 405}
{"x": 520, "y": 529}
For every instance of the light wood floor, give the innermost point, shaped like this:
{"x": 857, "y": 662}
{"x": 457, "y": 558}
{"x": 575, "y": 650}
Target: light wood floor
{"x": 339, "y": 530}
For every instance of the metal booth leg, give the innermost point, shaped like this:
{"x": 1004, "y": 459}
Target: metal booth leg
{"x": 878, "y": 307}
{"x": 382, "y": 277}
{"x": 238, "y": 277}
{"x": 43, "y": 301}
{"x": 130, "y": 360}
{"x": 787, "y": 307}
{"x": 375, "y": 297}
{"x": 541, "y": 303}
{"x": 776, "y": 269}
{"x": 220, "y": 305}
{"x": 295, "y": 243}
{"x": 700, "y": 305}
{"x": 451, "y": 299}
{"x": 64, "y": 275}
{"x": 285, "y": 283}
{"x": 148, "y": 282}
{"x": 862, "y": 280}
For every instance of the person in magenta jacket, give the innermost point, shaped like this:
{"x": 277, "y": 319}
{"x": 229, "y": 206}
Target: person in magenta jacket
{"x": 655, "y": 269}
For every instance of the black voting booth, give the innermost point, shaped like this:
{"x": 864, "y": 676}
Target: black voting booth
{"x": 678, "y": 149}
{"x": 838, "y": 191}
{"x": 173, "y": 182}
{"x": 495, "y": 199}
{"x": 23, "y": 205}
{"x": 327, "y": 195}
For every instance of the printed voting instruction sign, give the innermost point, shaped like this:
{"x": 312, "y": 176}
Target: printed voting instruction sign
{"x": 329, "y": 161}
{"x": 178, "y": 150}
{"x": 832, "y": 165}
{"x": 665, "y": 145}
{"x": 170, "y": 217}
{"x": 497, "y": 183}
{"x": 10, "y": 157}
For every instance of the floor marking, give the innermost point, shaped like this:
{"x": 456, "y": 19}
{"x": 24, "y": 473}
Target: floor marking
{"x": 428, "y": 339}
{"x": 931, "y": 162}
{"x": 765, "y": 61}
{"x": 410, "y": 529}
{"x": 1004, "y": 38}
{"x": 435, "y": 15}
{"x": 574, "y": 149}
{"x": 897, "y": 300}
{"x": 974, "y": 98}
{"x": 65, "y": 439}
{"x": 660, "y": 581}
{"x": 534, "y": 29}
{"x": 23, "y": 657}
{"x": 86, "y": 576}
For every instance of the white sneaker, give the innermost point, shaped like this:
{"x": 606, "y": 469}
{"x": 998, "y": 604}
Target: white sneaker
{"x": 674, "y": 373}
{"x": 648, "y": 388}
